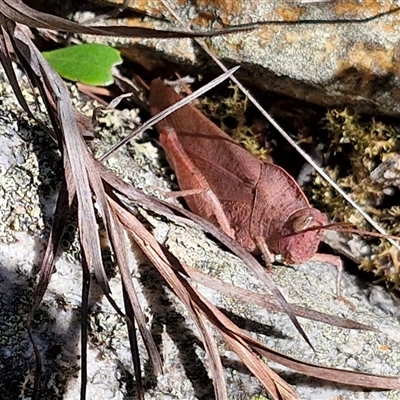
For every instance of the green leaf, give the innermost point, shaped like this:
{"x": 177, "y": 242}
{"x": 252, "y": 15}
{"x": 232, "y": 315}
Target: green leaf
{"x": 89, "y": 63}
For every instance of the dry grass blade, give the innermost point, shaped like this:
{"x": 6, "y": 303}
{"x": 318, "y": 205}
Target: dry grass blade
{"x": 259, "y": 369}
{"x": 193, "y": 300}
{"x": 169, "y": 110}
{"x": 131, "y": 301}
{"x": 326, "y": 373}
{"x": 153, "y": 251}
{"x": 337, "y": 375}
{"x": 229, "y": 330}
{"x": 64, "y": 122}
{"x": 5, "y": 57}
{"x": 277, "y": 388}
{"x": 18, "y": 11}
{"x": 96, "y": 184}
{"x": 84, "y": 331}
{"x": 269, "y": 302}
{"x": 132, "y": 305}
{"x": 216, "y": 368}
{"x": 80, "y": 181}
{"x": 62, "y": 210}
{"x": 119, "y": 246}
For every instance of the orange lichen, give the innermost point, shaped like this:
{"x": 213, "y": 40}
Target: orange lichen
{"x": 204, "y": 19}
{"x": 149, "y": 7}
{"x": 291, "y": 37}
{"x": 289, "y": 12}
{"x": 309, "y": 34}
{"x": 138, "y": 22}
{"x": 366, "y": 8}
{"x": 330, "y": 45}
{"x": 266, "y": 34}
{"x": 388, "y": 27}
{"x": 227, "y": 7}
{"x": 371, "y": 60}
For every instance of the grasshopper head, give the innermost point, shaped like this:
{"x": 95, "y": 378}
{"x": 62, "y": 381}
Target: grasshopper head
{"x": 297, "y": 244}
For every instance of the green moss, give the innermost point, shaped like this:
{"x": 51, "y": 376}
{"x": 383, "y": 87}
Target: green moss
{"x": 229, "y": 113}
{"x": 364, "y": 161}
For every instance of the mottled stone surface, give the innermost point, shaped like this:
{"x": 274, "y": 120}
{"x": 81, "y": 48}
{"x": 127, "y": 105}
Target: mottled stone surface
{"x": 110, "y": 373}
{"x": 327, "y": 63}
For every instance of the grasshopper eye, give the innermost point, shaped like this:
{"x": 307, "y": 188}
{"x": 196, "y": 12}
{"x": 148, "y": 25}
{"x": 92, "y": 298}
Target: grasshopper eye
{"x": 301, "y": 223}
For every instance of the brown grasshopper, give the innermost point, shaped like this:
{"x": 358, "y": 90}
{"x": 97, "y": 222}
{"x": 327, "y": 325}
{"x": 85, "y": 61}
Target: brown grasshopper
{"x": 258, "y": 204}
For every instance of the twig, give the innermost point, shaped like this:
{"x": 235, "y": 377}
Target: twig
{"x": 152, "y": 121}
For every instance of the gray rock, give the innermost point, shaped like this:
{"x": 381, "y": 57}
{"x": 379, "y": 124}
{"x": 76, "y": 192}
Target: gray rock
{"x": 56, "y": 325}
{"x": 326, "y": 60}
